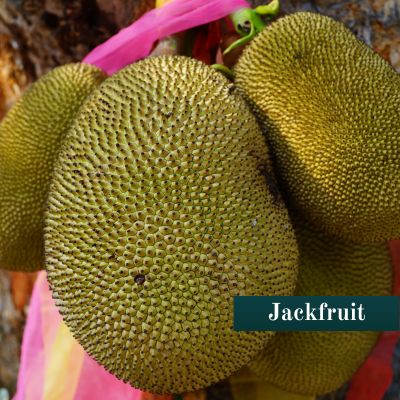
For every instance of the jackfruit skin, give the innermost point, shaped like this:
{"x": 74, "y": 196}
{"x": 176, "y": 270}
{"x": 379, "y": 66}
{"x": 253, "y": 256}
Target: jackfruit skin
{"x": 247, "y": 385}
{"x": 331, "y": 110}
{"x": 30, "y": 137}
{"x": 313, "y": 363}
{"x": 159, "y": 213}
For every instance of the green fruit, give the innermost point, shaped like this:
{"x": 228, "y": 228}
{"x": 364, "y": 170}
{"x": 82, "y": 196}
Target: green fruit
{"x": 30, "y": 137}
{"x": 331, "y": 110}
{"x": 246, "y": 385}
{"x": 159, "y": 213}
{"x": 319, "y": 362}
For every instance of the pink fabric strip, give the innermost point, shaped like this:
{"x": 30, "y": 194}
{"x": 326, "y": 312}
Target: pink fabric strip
{"x": 44, "y": 325}
{"x": 136, "y": 41}
{"x": 96, "y": 383}
{"x": 374, "y": 377}
{"x": 31, "y": 372}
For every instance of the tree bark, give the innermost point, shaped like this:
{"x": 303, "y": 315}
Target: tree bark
{"x": 11, "y": 325}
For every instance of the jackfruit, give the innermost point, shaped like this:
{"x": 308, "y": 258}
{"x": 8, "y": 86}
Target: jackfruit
{"x": 30, "y": 136}
{"x": 162, "y": 208}
{"x": 331, "y": 109}
{"x": 246, "y": 385}
{"x": 319, "y": 362}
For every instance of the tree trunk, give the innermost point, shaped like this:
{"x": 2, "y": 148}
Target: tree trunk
{"x": 11, "y": 325}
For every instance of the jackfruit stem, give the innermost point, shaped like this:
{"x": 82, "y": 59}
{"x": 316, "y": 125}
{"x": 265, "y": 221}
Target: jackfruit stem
{"x": 224, "y": 70}
{"x": 270, "y": 9}
{"x": 248, "y": 23}
{"x": 178, "y": 397}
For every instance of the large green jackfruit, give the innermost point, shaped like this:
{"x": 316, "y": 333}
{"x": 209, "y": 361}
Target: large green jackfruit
{"x": 319, "y": 362}
{"x": 30, "y": 136}
{"x": 331, "y": 108}
{"x": 161, "y": 210}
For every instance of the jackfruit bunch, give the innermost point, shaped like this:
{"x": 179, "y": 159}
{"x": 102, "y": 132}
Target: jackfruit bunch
{"x": 313, "y": 363}
{"x": 30, "y": 136}
{"x": 330, "y": 107}
{"x": 162, "y": 204}
{"x": 163, "y": 207}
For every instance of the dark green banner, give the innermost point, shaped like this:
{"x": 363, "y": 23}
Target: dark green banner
{"x": 317, "y": 313}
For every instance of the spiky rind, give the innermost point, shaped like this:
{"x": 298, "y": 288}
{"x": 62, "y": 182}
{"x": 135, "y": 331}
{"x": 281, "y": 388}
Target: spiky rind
{"x": 319, "y": 362}
{"x": 331, "y": 109}
{"x": 159, "y": 214}
{"x": 30, "y": 136}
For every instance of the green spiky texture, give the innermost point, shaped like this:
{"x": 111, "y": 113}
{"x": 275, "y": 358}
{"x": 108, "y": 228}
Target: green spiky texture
{"x": 313, "y": 363}
{"x": 30, "y": 136}
{"x": 246, "y": 385}
{"x": 330, "y": 106}
{"x": 159, "y": 213}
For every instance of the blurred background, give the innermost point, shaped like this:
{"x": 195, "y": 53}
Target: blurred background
{"x": 37, "y": 35}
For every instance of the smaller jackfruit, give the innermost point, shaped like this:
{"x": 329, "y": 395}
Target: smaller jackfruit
{"x": 246, "y": 385}
{"x": 331, "y": 109}
{"x": 159, "y": 213}
{"x": 313, "y": 363}
{"x": 30, "y": 136}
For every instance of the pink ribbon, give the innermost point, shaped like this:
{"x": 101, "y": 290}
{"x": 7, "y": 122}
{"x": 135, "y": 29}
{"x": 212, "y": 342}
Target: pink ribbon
{"x": 137, "y": 40}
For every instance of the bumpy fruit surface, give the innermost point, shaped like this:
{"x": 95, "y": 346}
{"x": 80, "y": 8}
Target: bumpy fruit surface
{"x": 162, "y": 208}
{"x": 30, "y": 137}
{"x": 331, "y": 109}
{"x": 319, "y": 362}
